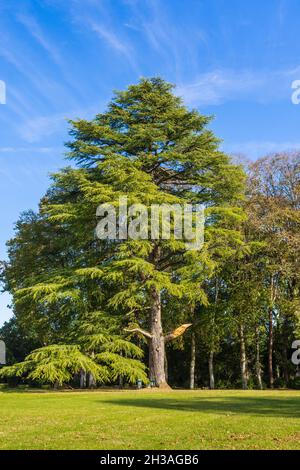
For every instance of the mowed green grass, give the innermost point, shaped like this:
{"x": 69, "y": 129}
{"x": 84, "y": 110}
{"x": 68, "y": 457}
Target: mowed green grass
{"x": 150, "y": 420}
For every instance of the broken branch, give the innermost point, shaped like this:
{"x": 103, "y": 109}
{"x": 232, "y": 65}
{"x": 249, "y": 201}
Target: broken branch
{"x": 177, "y": 332}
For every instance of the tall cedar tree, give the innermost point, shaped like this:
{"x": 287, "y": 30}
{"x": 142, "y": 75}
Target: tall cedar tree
{"x": 149, "y": 147}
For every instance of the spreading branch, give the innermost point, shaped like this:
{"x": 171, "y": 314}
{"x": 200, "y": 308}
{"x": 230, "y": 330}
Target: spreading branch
{"x": 177, "y": 332}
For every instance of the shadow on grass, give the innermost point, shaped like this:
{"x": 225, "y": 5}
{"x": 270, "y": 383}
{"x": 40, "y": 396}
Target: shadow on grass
{"x": 259, "y": 406}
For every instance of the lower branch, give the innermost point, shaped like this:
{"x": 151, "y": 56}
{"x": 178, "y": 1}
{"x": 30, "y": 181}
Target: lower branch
{"x": 139, "y": 330}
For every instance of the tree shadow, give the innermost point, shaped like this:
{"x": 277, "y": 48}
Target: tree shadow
{"x": 260, "y": 406}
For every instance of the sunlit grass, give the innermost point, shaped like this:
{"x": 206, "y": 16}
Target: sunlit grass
{"x": 150, "y": 420}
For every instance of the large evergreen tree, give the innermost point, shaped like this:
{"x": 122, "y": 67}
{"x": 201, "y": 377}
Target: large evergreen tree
{"x": 150, "y": 148}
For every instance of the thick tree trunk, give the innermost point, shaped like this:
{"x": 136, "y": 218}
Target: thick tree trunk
{"x": 243, "y": 359}
{"x": 157, "y": 342}
{"x": 257, "y": 361}
{"x": 211, "y": 370}
{"x": 155, "y": 337}
{"x": 193, "y": 362}
{"x": 270, "y": 349}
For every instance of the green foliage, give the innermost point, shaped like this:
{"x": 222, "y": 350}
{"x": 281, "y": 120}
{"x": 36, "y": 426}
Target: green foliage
{"x": 56, "y": 365}
{"x": 68, "y": 286}
{"x": 129, "y": 369}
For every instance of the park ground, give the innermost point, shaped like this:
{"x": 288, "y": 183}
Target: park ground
{"x": 200, "y": 419}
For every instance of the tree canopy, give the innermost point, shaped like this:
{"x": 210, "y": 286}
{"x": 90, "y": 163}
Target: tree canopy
{"x": 89, "y": 305}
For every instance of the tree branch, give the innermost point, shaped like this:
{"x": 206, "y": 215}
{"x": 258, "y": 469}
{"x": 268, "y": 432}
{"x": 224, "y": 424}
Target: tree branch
{"x": 139, "y": 330}
{"x": 177, "y": 332}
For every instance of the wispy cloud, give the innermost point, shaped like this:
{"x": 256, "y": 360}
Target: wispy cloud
{"x": 4, "y": 150}
{"x": 175, "y": 44}
{"x": 220, "y": 86}
{"x": 216, "y": 87}
{"x": 35, "y": 30}
{"x": 95, "y": 16}
{"x": 111, "y": 39}
{"x": 49, "y": 90}
{"x": 35, "y": 129}
{"x": 115, "y": 42}
{"x": 256, "y": 149}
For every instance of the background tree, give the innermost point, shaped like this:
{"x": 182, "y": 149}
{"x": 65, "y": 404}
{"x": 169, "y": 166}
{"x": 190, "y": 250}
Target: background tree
{"x": 274, "y": 190}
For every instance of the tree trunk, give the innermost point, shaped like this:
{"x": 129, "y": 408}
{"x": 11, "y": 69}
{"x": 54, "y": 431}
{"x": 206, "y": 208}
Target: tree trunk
{"x": 211, "y": 370}
{"x": 56, "y": 385}
{"x": 82, "y": 379}
{"x": 166, "y": 366}
{"x": 121, "y": 378}
{"x": 277, "y": 372}
{"x": 257, "y": 362}
{"x": 91, "y": 381}
{"x": 270, "y": 349}
{"x": 273, "y": 295}
{"x": 155, "y": 337}
{"x": 121, "y": 384}
{"x": 286, "y": 374}
{"x": 285, "y": 361}
{"x": 157, "y": 342}
{"x": 193, "y": 362}
{"x": 243, "y": 359}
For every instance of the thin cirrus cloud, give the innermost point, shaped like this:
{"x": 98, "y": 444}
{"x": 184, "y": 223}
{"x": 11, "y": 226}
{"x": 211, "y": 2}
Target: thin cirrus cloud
{"x": 28, "y": 149}
{"x": 49, "y": 91}
{"x": 210, "y": 89}
{"x": 220, "y": 86}
{"x": 97, "y": 19}
{"x": 175, "y": 45}
{"x": 35, "y": 30}
{"x": 256, "y": 149}
{"x": 119, "y": 45}
{"x": 111, "y": 39}
{"x": 35, "y": 129}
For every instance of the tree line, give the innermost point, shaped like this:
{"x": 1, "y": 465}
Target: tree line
{"x": 118, "y": 311}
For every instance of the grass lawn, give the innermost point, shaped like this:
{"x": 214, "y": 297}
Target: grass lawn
{"x": 150, "y": 420}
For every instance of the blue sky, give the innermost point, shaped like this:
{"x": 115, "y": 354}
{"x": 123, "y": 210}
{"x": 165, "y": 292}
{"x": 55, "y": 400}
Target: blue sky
{"x": 235, "y": 59}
